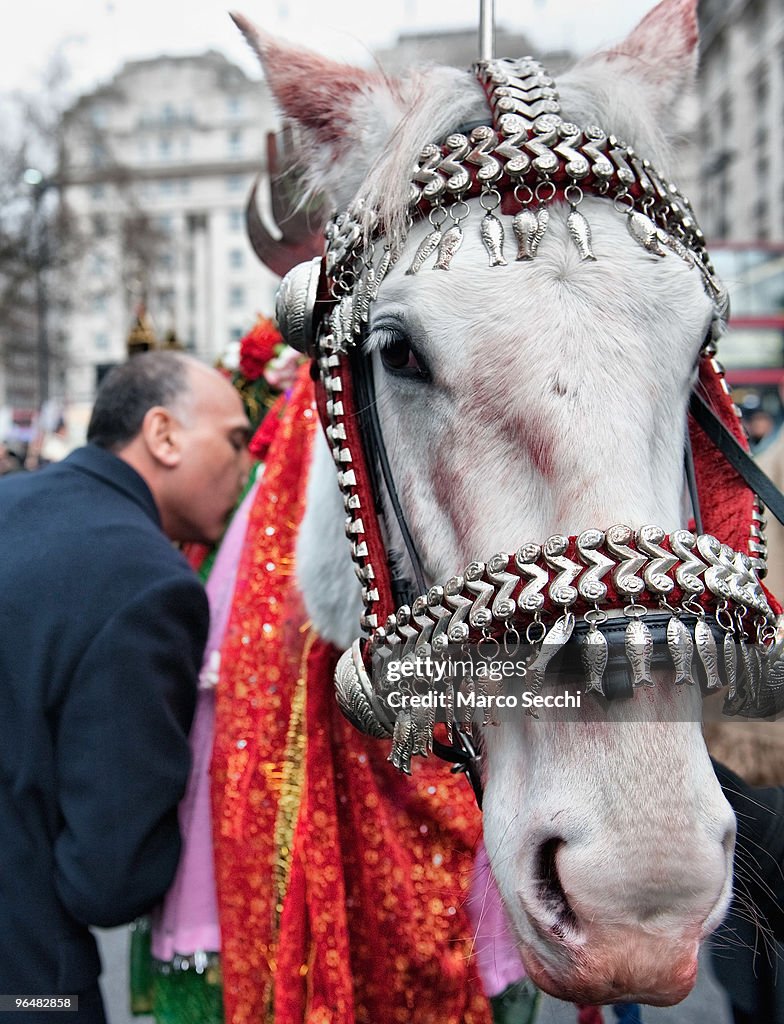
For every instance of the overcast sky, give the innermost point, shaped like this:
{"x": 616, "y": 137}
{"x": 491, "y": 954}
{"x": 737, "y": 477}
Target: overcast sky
{"x": 99, "y": 35}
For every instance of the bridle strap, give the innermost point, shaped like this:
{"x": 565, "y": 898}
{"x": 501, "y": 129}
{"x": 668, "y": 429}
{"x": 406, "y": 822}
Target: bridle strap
{"x": 378, "y": 461}
{"x": 743, "y": 464}
{"x": 691, "y": 483}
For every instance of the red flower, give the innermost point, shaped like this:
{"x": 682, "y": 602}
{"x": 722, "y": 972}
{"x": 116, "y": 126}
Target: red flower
{"x": 258, "y": 347}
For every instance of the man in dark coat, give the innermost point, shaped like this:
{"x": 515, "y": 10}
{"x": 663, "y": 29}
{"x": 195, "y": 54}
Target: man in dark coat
{"x": 102, "y": 631}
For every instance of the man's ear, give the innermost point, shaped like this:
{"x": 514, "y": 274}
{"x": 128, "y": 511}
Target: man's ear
{"x": 161, "y": 435}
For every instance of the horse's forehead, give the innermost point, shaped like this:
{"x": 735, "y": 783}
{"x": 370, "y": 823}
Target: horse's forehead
{"x": 477, "y": 311}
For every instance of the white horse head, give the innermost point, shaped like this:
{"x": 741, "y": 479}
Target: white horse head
{"x": 544, "y": 396}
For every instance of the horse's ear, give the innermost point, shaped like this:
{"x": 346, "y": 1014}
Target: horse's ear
{"x": 662, "y": 50}
{"x": 342, "y": 110}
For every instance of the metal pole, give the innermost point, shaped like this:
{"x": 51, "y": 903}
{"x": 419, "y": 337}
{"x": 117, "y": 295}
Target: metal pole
{"x": 42, "y": 311}
{"x": 486, "y": 29}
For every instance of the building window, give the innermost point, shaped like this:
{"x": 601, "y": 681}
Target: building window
{"x": 101, "y": 341}
{"x": 165, "y": 223}
{"x": 166, "y": 298}
{"x": 168, "y": 114}
{"x": 235, "y": 183}
{"x": 235, "y": 334}
{"x": 761, "y": 86}
{"x": 185, "y": 186}
{"x": 236, "y": 296}
{"x": 235, "y": 220}
{"x": 725, "y": 111}
{"x": 236, "y": 259}
{"x": 164, "y": 148}
{"x": 235, "y": 143}
{"x": 166, "y": 261}
{"x": 97, "y": 191}
{"x": 100, "y": 229}
{"x": 98, "y": 116}
{"x": 99, "y": 303}
{"x": 97, "y": 264}
{"x": 234, "y": 106}
{"x": 99, "y": 156}
{"x": 166, "y": 186}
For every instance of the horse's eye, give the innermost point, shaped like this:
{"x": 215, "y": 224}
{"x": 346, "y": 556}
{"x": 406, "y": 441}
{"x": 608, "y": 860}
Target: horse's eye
{"x": 398, "y": 356}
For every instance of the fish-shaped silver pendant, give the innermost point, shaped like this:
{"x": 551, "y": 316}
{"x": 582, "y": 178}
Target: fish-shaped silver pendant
{"x": 580, "y": 230}
{"x": 425, "y": 249}
{"x": 492, "y": 233}
{"x": 468, "y": 691}
{"x": 645, "y": 232}
{"x": 639, "y": 648}
{"x": 681, "y": 648}
{"x": 593, "y": 651}
{"x": 421, "y": 737}
{"x": 448, "y": 246}
{"x": 402, "y": 742}
{"x": 746, "y": 667}
{"x": 529, "y": 227}
{"x": 755, "y": 658}
{"x": 731, "y": 664}
{"x": 551, "y": 645}
{"x": 708, "y": 652}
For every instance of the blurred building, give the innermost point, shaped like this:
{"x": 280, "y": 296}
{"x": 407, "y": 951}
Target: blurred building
{"x": 157, "y": 167}
{"x": 741, "y": 89}
{"x": 740, "y": 165}
{"x": 460, "y": 49}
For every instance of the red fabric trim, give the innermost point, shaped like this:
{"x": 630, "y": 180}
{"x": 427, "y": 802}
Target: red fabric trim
{"x": 371, "y": 929}
{"x": 268, "y": 428}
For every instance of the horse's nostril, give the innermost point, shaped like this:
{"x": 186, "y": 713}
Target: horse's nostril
{"x": 561, "y": 919}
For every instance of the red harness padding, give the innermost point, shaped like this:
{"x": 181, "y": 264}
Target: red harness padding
{"x": 726, "y": 500}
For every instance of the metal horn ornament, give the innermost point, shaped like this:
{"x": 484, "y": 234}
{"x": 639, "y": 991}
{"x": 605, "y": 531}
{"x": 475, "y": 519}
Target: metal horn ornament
{"x": 299, "y": 226}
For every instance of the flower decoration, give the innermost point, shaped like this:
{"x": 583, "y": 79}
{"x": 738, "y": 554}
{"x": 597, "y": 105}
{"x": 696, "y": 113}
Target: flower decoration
{"x": 266, "y": 367}
{"x": 259, "y": 347}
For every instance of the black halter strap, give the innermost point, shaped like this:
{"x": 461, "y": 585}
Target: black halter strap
{"x": 738, "y": 458}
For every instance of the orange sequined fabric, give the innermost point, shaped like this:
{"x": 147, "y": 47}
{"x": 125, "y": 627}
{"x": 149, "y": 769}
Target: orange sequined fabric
{"x": 341, "y": 882}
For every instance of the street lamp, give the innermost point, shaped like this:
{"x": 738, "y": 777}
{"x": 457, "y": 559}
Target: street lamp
{"x": 39, "y": 185}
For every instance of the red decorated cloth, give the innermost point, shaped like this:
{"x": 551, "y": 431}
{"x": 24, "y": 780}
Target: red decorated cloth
{"x": 725, "y": 498}
{"x": 341, "y": 881}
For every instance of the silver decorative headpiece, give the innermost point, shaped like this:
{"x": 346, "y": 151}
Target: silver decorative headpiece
{"x": 527, "y": 159}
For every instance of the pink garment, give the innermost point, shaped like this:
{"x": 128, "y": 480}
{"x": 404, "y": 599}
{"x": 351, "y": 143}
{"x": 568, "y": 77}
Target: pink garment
{"x": 496, "y": 953}
{"x": 187, "y": 921}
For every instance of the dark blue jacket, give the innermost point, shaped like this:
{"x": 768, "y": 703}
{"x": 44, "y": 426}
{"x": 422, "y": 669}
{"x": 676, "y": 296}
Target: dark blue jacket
{"x": 102, "y": 630}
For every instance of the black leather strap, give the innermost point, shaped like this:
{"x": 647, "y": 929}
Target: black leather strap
{"x": 739, "y": 459}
